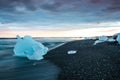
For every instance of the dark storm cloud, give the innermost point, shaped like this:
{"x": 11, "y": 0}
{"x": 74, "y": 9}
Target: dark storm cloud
{"x": 9, "y": 5}
{"x": 115, "y": 6}
{"x": 80, "y": 10}
{"x": 51, "y": 5}
{"x": 59, "y": 5}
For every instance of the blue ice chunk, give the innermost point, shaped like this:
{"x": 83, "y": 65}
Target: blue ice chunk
{"x": 28, "y": 47}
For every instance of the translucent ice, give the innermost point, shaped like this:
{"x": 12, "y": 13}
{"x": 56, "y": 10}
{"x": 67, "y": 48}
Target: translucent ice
{"x": 111, "y": 40}
{"x": 101, "y": 39}
{"x": 97, "y": 41}
{"x": 118, "y": 38}
{"x": 72, "y": 52}
{"x": 27, "y": 47}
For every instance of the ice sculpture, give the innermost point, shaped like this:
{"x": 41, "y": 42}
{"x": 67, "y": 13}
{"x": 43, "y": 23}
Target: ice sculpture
{"x": 27, "y": 47}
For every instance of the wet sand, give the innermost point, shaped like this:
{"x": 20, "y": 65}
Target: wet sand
{"x": 99, "y": 62}
{"x": 15, "y": 68}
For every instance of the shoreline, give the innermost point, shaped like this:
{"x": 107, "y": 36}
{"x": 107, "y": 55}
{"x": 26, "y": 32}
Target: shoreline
{"x": 91, "y": 62}
{"x": 58, "y": 45}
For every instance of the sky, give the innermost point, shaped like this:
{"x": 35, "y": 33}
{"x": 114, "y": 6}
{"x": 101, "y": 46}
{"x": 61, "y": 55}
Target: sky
{"x": 59, "y": 18}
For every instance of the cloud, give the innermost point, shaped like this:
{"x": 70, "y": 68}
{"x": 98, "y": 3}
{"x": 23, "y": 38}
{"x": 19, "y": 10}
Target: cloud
{"x": 113, "y": 9}
{"x": 46, "y": 15}
{"x": 114, "y": 6}
{"x": 63, "y": 10}
{"x": 57, "y": 5}
{"x": 58, "y": 26}
{"x": 86, "y": 32}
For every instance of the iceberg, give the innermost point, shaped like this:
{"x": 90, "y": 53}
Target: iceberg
{"x": 27, "y": 47}
{"x": 118, "y": 39}
{"x": 101, "y": 39}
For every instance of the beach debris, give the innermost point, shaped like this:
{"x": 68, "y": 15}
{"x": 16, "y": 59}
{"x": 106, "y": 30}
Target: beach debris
{"x": 72, "y": 52}
{"x": 101, "y": 39}
{"x": 27, "y": 47}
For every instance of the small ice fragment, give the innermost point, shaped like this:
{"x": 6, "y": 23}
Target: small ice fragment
{"x": 97, "y": 41}
{"x": 111, "y": 40}
{"x": 101, "y": 39}
{"x": 72, "y": 52}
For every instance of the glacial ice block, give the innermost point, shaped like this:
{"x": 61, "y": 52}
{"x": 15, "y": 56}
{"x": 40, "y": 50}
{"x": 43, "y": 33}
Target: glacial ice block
{"x": 118, "y": 38}
{"x": 101, "y": 39}
{"x": 97, "y": 41}
{"x": 111, "y": 40}
{"x": 27, "y": 47}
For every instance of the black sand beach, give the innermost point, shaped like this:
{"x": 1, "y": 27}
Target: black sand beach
{"x": 99, "y": 62}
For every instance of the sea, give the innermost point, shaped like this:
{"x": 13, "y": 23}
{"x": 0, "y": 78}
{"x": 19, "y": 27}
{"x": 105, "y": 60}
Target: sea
{"x": 15, "y": 68}
{"x": 50, "y": 42}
